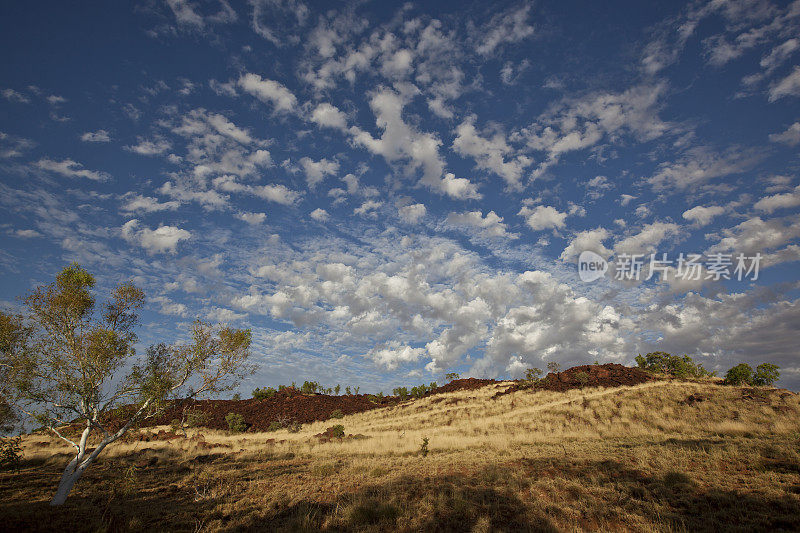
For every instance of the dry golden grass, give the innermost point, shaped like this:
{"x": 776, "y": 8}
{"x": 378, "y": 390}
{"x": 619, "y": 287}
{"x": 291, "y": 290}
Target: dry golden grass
{"x": 631, "y": 458}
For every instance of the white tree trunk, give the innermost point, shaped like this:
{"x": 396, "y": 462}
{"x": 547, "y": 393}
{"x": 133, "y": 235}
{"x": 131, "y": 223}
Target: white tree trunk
{"x": 78, "y": 464}
{"x": 70, "y": 476}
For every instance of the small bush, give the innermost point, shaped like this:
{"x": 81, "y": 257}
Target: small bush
{"x": 235, "y": 422}
{"x": 766, "y": 375}
{"x": 451, "y": 376}
{"x": 337, "y": 414}
{"x": 402, "y": 392}
{"x": 582, "y": 378}
{"x": 236, "y": 397}
{"x": 423, "y": 448}
{"x": 741, "y": 374}
{"x": 336, "y": 431}
{"x": 196, "y": 418}
{"x": 311, "y": 387}
{"x": 263, "y": 393}
{"x": 294, "y": 427}
{"x": 274, "y": 426}
{"x": 11, "y": 453}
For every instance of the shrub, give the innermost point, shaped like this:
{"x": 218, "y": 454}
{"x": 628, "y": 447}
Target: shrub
{"x": 419, "y": 391}
{"x": 337, "y": 389}
{"x": 336, "y": 431}
{"x": 235, "y": 422}
{"x": 672, "y": 365}
{"x": 236, "y": 397}
{"x": 423, "y": 448}
{"x": 402, "y": 392}
{"x": 310, "y": 387}
{"x": 294, "y": 426}
{"x": 553, "y": 367}
{"x": 175, "y": 425}
{"x": 451, "y": 376}
{"x": 196, "y": 418}
{"x": 274, "y": 426}
{"x": 337, "y": 414}
{"x": 766, "y": 374}
{"x": 741, "y": 374}
{"x": 11, "y": 453}
{"x": 263, "y": 393}
{"x": 582, "y": 378}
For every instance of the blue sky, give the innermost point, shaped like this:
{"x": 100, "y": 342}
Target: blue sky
{"x": 385, "y": 192}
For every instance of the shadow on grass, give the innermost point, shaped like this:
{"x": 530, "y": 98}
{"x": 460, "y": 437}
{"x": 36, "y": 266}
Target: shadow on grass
{"x": 442, "y": 503}
{"x": 594, "y": 495}
{"x": 676, "y": 501}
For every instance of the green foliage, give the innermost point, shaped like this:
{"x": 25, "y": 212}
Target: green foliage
{"x": 8, "y": 418}
{"x": 310, "y": 387}
{"x": 533, "y": 374}
{"x": 423, "y": 448}
{"x": 196, "y": 418}
{"x": 293, "y": 426}
{"x": 347, "y": 390}
{"x": 235, "y": 422}
{"x": 337, "y": 431}
{"x": 421, "y": 390}
{"x": 741, "y": 374}
{"x": 274, "y": 426}
{"x": 263, "y": 393}
{"x": 10, "y": 453}
{"x": 236, "y": 397}
{"x": 672, "y": 365}
{"x": 582, "y": 378}
{"x": 337, "y": 414}
{"x": 766, "y": 375}
{"x": 337, "y": 389}
{"x": 451, "y": 376}
{"x": 71, "y": 358}
{"x": 553, "y": 367}
{"x": 375, "y": 398}
{"x": 402, "y": 392}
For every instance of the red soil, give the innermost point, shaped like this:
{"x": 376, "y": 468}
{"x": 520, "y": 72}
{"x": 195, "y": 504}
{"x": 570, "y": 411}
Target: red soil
{"x": 463, "y": 384}
{"x": 607, "y": 375}
{"x": 285, "y": 406}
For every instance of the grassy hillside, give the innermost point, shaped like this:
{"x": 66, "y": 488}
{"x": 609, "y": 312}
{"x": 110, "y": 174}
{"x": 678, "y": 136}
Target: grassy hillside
{"x": 660, "y": 456}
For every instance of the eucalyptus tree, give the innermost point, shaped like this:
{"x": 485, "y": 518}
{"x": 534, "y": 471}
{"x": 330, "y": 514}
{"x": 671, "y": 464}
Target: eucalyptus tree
{"x": 68, "y": 361}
